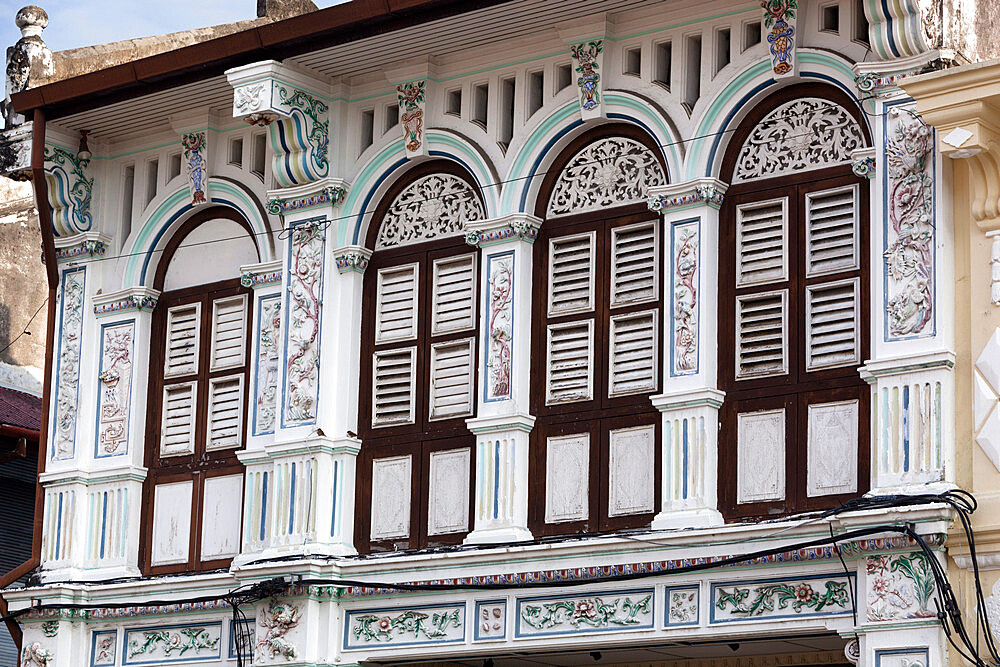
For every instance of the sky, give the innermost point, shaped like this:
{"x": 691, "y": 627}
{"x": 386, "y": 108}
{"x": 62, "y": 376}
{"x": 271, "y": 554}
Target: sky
{"x": 75, "y": 23}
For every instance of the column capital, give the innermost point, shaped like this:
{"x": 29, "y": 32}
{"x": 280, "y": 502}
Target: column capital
{"x": 352, "y": 258}
{"x": 516, "y": 422}
{"x": 882, "y": 77}
{"x": 697, "y": 192}
{"x": 688, "y": 399}
{"x": 863, "y": 162}
{"x": 264, "y": 274}
{"x": 326, "y": 194}
{"x": 513, "y": 227}
{"x": 130, "y": 299}
{"x": 81, "y": 247}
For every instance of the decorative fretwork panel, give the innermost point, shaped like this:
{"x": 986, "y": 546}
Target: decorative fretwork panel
{"x": 434, "y": 206}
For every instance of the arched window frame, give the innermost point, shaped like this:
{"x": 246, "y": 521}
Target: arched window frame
{"x": 203, "y": 463}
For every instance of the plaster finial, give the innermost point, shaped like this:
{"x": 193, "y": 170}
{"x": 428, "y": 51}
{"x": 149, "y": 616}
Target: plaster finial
{"x": 31, "y": 20}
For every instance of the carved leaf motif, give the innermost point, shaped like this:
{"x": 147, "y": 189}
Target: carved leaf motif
{"x": 431, "y": 207}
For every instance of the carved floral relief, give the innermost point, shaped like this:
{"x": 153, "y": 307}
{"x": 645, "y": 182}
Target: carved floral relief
{"x": 422, "y": 625}
{"x": 686, "y": 248}
{"x": 305, "y": 289}
{"x": 68, "y": 374}
{"x": 197, "y": 164}
{"x": 411, "y": 107}
{"x": 586, "y": 56}
{"x": 899, "y": 586}
{"x": 191, "y": 641}
{"x": 779, "y": 19}
{"x": 33, "y": 655}
{"x": 115, "y": 389}
{"x": 434, "y": 206}
{"x": 266, "y": 393}
{"x": 584, "y": 613}
{"x": 500, "y": 326}
{"x": 275, "y": 624}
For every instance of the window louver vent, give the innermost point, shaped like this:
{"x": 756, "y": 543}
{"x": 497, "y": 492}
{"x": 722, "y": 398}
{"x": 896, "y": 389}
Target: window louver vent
{"x": 761, "y": 242}
{"x": 393, "y": 387}
{"x": 634, "y": 259}
{"x": 225, "y": 410}
{"x": 451, "y": 379}
{"x": 832, "y": 325}
{"x": 571, "y": 274}
{"x": 183, "y": 323}
{"x": 177, "y": 430}
{"x": 396, "y": 310}
{"x": 454, "y": 294}
{"x": 761, "y": 321}
{"x": 633, "y": 354}
{"x": 228, "y": 332}
{"x": 570, "y": 369}
{"x": 831, "y": 231}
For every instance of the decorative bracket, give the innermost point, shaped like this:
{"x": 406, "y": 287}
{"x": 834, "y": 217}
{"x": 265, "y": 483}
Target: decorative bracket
{"x": 780, "y": 22}
{"x": 326, "y": 194}
{"x": 70, "y": 190}
{"x": 514, "y": 227}
{"x": 352, "y": 258}
{"x": 81, "y": 247}
{"x": 863, "y": 162}
{"x": 133, "y": 299}
{"x": 704, "y": 191}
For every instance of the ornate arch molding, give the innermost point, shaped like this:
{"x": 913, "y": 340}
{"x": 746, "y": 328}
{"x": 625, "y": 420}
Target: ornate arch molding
{"x": 432, "y": 201}
{"x": 803, "y": 127}
{"x": 612, "y": 165}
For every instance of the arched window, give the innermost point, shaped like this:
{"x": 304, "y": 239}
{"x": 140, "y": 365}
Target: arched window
{"x": 199, "y": 361}
{"x": 793, "y": 307}
{"x": 419, "y": 343}
{"x": 597, "y": 344}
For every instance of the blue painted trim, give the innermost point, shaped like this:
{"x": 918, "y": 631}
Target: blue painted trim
{"x": 252, "y": 624}
{"x": 291, "y": 502}
{"x": 336, "y": 505}
{"x": 263, "y": 508}
{"x": 906, "y": 428}
{"x": 476, "y": 636}
{"x": 382, "y": 610}
{"x": 486, "y": 332}
{"x": 59, "y": 514}
{"x": 696, "y": 221}
{"x": 163, "y": 661}
{"x": 256, "y": 360}
{"x": 541, "y": 156}
{"x": 888, "y": 28}
{"x": 852, "y": 583}
{"x": 496, "y": 479}
{"x": 903, "y": 651}
{"x": 104, "y": 519}
{"x": 666, "y": 606}
{"x": 684, "y": 461}
{"x": 100, "y": 371}
{"x": 586, "y": 631}
{"x": 728, "y": 119}
{"x": 93, "y": 647}
{"x": 62, "y": 314}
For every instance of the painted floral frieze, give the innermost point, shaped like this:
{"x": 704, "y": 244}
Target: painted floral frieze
{"x": 412, "y": 626}
{"x": 274, "y": 624}
{"x": 68, "y": 372}
{"x": 411, "y": 116}
{"x": 775, "y": 599}
{"x": 779, "y": 19}
{"x": 115, "y": 389}
{"x": 268, "y": 363}
{"x": 899, "y": 586}
{"x": 305, "y": 290}
{"x": 685, "y": 248}
{"x": 588, "y": 64}
{"x": 500, "y": 326}
{"x": 909, "y": 233}
{"x": 150, "y": 645}
{"x": 70, "y": 191}
{"x": 611, "y": 611}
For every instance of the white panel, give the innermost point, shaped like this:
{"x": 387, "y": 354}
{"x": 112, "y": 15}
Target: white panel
{"x": 202, "y": 258}
{"x": 393, "y": 385}
{"x": 221, "y": 517}
{"x": 635, "y": 263}
{"x": 567, "y": 478}
{"x": 171, "y": 523}
{"x": 832, "y": 448}
{"x": 391, "y": 482}
{"x": 630, "y": 477}
{"x": 571, "y": 274}
{"x": 225, "y": 412}
{"x": 448, "y": 491}
{"x": 762, "y": 242}
{"x": 454, "y": 294}
{"x": 396, "y": 305}
{"x": 762, "y": 334}
{"x": 832, "y": 231}
{"x": 451, "y": 379}
{"x": 570, "y": 371}
{"x": 183, "y": 336}
{"x": 833, "y": 329}
{"x": 177, "y": 428}
{"x": 760, "y": 457}
{"x": 633, "y": 351}
{"x": 229, "y": 321}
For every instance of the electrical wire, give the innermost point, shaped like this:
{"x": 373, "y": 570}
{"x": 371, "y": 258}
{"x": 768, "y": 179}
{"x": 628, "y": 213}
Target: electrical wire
{"x": 25, "y": 332}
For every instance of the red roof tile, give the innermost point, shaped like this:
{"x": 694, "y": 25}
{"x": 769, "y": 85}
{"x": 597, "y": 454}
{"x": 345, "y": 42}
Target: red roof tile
{"x": 20, "y": 409}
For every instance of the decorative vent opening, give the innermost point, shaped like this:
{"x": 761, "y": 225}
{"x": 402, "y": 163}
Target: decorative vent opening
{"x": 761, "y": 332}
{"x": 225, "y": 412}
{"x": 393, "y": 387}
{"x": 569, "y": 374}
{"x": 662, "y": 63}
{"x": 228, "y": 332}
{"x": 396, "y": 308}
{"x": 451, "y": 379}
{"x": 182, "y": 340}
{"x": 177, "y": 429}
{"x": 762, "y": 242}
{"x": 571, "y": 274}
{"x": 454, "y": 294}
{"x": 634, "y": 267}
{"x": 831, "y": 231}
{"x": 633, "y": 349}
{"x": 832, "y": 325}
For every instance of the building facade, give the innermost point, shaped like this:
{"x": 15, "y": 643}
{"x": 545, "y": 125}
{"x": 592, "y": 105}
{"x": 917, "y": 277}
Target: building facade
{"x": 519, "y": 332}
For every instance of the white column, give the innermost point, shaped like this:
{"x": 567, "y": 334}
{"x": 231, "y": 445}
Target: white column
{"x": 503, "y": 423}
{"x": 690, "y": 400}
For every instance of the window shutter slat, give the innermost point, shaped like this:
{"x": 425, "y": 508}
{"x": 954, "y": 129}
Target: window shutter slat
{"x": 225, "y": 412}
{"x": 571, "y": 274}
{"x": 570, "y": 362}
{"x": 831, "y": 231}
{"x": 454, "y": 293}
{"x": 229, "y": 332}
{"x": 396, "y": 309}
{"x": 177, "y": 429}
{"x": 832, "y": 325}
{"x": 762, "y": 242}
{"x": 393, "y": 387}
{"x": 451, "y": 379}
{"x": 634, "y": 269}
{"x": 183, "y": 328}
{"x": 761, "y": 334}
{"x": 633, "y": 353}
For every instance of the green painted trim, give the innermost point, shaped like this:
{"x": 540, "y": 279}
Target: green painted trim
{"x": 527, "y": 151}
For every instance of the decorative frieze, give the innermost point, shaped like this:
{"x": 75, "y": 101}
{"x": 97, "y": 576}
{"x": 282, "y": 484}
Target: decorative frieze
{"x": 174, "y": 644}
{"x": 268, "y": 364}
{"x": 899, "y": 586}
{"x": 434, "y": 206}
{"x": 132, "y": 300}
{"x": 437, "y": 624}
{"x": 579, "y": 614}
{"x": 411, "y": 116}
{"x": 302, "y": 322}
{"x": 104, "y": 648}
{"x": 783, "y": 598}
{"x": 87, "y": 245}
{"x": 499, "y": 326}
{"x": 72, "y": 294}
{"x": 196, "y": 164}
{"x": 273, "y": 627}
{"x": 329, "y": 196}
{"x": 909, "y": 226}
{"x": 115, "y": 390}
{"x": 69, "y": 191}
{"x": 587, "y": 60}
{"x": 685, "y": 250}
{"x": 682, "y": 606}
{"x": 352, "y": 258}
{"x": 779, "y": 20}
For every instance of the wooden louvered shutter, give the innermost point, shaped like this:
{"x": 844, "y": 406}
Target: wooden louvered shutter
{"x": 225, "y": 412}
{"x": 183, "y": 335}
{"x": 394, "y": 387}
{"x": 452, "y": 361}
{"x": 177, "y": 429}
{"x": 635, "y": 275}
{"x": 633, "y": 344}
{"x": 762, "y": 242}
{"x": 571, "y": 274}
{"x": 229, "y": 316}
{"x": 570, "y": 372}
{"x": 832, "y": 230}
{"x": 454, "y": 294}
{"x": 396, "y": 307}
{"x": 762, "y": 334}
